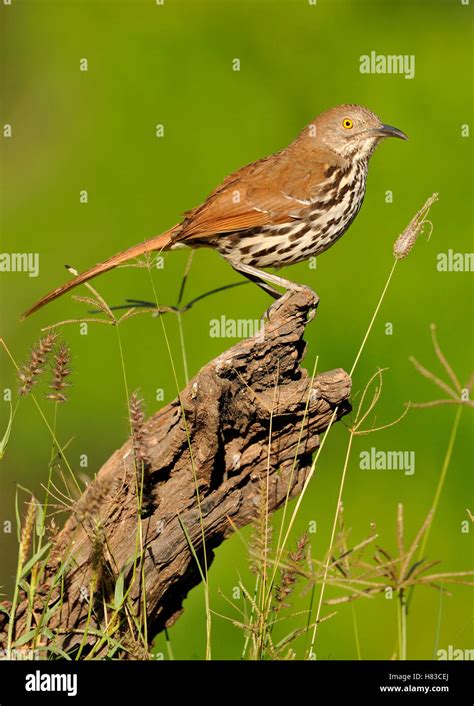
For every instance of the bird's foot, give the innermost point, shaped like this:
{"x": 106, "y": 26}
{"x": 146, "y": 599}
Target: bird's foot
{"x": 295, "y": 289}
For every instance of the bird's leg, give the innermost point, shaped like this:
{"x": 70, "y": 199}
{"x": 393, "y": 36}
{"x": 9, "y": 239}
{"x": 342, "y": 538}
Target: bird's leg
{"x": 258, "y": 281}
{"x": 265, "y": 280}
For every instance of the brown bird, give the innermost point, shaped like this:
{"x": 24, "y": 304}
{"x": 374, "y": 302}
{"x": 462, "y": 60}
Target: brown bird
{"x": 280, "y": 210}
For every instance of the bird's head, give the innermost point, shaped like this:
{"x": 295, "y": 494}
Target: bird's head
{"x": 352, "y": 131}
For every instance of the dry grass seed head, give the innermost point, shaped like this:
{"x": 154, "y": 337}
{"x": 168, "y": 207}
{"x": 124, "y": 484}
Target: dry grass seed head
{"x": 61, "y": 371}
{"x": 261, "y": 540}
{"x": 27, "y": 531}
{"x": 410, "y": 235}
{"x": 30, "y": 372}
{"x": 289, "y": 573}
{"x": 137, "y": 422}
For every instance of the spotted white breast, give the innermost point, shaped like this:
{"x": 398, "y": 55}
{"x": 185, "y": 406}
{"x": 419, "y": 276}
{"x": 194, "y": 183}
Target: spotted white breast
{"x": 316, "y": 228}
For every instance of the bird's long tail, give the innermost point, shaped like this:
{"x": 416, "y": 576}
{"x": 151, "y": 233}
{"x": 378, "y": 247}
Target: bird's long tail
{"x": 159, "y": 242}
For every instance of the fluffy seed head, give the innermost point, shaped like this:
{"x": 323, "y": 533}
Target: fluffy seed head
{"x": 61, "y": 372}
{"x": 408, "y": 238}
{"x": 30, "y": 372}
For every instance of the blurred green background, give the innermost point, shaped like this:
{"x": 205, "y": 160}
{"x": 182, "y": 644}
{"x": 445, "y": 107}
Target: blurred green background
{"x": 172, "y": 64}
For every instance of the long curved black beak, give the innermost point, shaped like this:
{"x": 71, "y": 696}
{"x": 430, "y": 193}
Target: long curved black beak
{"x": 389, "y": 131}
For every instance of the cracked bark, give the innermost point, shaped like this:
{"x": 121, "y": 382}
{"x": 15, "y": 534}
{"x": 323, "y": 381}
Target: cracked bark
{"x": 225, "y": 438}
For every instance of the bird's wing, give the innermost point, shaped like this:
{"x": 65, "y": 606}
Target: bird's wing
{"x": 268, "y": 192}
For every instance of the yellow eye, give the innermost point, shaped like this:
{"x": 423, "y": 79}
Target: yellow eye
{"x": 347, "y": 123}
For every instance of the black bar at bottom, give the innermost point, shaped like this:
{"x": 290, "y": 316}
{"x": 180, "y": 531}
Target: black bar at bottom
{"x": 62, "y": 682}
